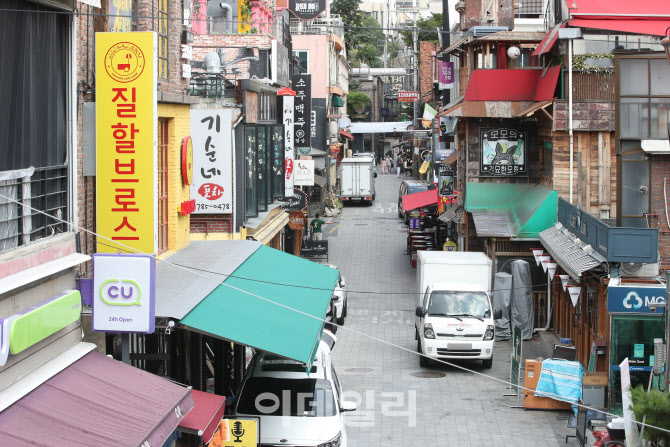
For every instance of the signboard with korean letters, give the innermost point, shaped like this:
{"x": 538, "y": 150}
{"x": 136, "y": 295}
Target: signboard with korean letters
{"x": 503, "y": 152}
{"x": 126, "y": 123}
{"x": 124, "y": 288}
{"x": 302, "y": 115}
{"x": 212, "y": 185}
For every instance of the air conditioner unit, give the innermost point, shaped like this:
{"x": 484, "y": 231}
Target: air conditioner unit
{"x": 638, "y": 269}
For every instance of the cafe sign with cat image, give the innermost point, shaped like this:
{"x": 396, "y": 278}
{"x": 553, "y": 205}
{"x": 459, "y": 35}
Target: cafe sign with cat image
{"x": 503, "y": 152}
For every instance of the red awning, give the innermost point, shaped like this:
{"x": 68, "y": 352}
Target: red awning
{"x": 204, "y": 419}
{"x": 419, "y": 200}
{"x": 97, "y": 401}
{"x": 548, "y": 41}
{"x": 512, "y": 85}
{"x": 650, "y": 17}
{"x": 347, "y": 135}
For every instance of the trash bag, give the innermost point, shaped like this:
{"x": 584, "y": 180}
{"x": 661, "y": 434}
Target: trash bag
{"x": 522, "y": 299}
{"x": 502, "y": 291}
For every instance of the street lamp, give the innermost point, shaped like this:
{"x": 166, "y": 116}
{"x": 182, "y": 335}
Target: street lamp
{"x": 666, "y": 43}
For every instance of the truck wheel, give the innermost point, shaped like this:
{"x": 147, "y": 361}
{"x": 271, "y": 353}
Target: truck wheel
{"x": 487, "y": 363}
{"x": 340, "y": 320}
{"x": 423, "y": 360}
{"x": 344, "y": 311}
{"x": 400, "y": 212}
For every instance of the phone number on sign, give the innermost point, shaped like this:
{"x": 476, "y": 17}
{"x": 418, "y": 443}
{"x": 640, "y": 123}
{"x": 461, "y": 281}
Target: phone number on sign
{"x": 220, "y": 206}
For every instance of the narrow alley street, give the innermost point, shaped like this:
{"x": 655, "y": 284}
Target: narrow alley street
{"x": 455, "y": 408}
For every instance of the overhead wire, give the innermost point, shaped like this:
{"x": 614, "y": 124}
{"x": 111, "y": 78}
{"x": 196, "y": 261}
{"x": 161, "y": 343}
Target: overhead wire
{"x": 322, "y": 320}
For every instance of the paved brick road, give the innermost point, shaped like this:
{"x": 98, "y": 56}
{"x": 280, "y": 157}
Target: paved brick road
{"x": 459, "y": 409}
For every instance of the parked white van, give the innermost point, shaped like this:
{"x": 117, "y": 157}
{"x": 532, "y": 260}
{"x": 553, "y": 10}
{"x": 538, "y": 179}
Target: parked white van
{"x": 454, "y": 316}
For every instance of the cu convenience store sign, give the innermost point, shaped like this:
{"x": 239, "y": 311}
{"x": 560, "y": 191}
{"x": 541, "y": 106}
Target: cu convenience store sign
{"x": 126, "y": 125}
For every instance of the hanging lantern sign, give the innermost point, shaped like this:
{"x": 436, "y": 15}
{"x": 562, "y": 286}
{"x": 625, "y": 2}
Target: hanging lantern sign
{"x": 545, "y": 259}
{"x": 551, "y": 269}
{"x": 536, "y": 253}
{"x": 564, "y": 280}
{"x": 575, "y": 292}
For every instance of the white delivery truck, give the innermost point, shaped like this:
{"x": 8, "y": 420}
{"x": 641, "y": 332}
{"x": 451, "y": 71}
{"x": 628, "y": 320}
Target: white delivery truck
{"x": 454, "y": 316}
{"x": 357, "y": 179}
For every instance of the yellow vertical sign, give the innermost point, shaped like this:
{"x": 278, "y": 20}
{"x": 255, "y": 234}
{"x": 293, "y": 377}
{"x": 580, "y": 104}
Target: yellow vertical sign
{"x": 126, "y": 122}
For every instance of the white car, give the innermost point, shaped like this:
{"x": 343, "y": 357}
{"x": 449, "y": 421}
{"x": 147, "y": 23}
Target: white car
{"x": 341, "y": 293}
{"x": 293, "y": 408}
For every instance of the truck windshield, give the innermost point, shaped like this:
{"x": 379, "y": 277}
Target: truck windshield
{"x": 461, "y": 304}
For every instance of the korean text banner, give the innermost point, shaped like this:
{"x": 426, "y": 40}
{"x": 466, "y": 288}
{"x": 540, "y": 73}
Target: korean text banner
{"x": 302, "y": 116}
{"x": 126, "y": 122}
{"x": 212, "y": 185}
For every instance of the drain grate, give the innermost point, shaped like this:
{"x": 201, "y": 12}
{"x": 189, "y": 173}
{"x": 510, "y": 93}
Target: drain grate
{"x": 359, "y": 370}
{"x": 361, "y": 225}
{"x": 428, "y": 374}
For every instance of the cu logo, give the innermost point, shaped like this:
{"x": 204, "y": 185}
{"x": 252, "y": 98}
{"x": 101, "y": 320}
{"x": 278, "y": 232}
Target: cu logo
{"x": 632, "y": 296}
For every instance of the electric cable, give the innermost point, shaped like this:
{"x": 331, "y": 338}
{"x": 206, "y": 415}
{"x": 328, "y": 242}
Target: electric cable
{"x": 323, "y": 320}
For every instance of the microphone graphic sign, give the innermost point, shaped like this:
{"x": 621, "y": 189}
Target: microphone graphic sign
{"x": 236, "y": 433}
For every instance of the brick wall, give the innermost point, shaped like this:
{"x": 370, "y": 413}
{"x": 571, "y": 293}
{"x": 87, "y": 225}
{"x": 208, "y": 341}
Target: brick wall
{"x": 660, "y": 170}
{"x": 427, "y": 69}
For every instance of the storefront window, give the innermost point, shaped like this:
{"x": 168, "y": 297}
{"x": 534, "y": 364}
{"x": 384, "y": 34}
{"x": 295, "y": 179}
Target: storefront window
{"x": 633, "y": 338}
{"x": 268, "y": 164}
{"x": 251, "y": 177}
{"x": 635, "y": 185}
{"x": 660, "y": 111}
{"x": 261, "y": 170}
{"x": 277, "y": 162}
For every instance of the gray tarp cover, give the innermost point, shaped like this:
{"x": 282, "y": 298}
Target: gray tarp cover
{"x": 522, "y": 298}
{"x": 502, "y": 290}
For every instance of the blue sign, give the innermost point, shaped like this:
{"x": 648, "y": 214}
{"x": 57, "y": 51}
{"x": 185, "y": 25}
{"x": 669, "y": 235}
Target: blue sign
{"x": 414, "y": 223}
{"x": 634, "y": 300}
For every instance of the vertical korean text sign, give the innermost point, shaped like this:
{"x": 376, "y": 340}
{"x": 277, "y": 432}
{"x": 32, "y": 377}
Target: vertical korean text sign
{"x": 212, "y": 185}
{"x": 126, "y": 126}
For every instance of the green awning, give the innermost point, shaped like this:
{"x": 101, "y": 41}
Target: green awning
{"x": 511, "y": 209}
{"x": 338, "y": 101}
{"x": 240, "y": 309}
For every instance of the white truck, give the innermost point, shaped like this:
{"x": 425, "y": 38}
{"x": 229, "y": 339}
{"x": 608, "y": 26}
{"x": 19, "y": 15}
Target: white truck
{"x": 357, "y": 179}
{"x": 454, "y": 316}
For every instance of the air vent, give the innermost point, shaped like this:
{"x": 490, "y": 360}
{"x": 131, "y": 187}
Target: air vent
{"x": 479, "y": 31}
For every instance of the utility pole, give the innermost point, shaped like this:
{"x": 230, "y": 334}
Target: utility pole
{"x": 446, "y": 41}
{"x": 415, "y": 66}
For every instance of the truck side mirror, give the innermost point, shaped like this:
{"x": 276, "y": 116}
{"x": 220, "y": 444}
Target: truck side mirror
{"x": 497, "y": 314}
{"x": 419, "y": 312}
{"x": 375, "y": 175}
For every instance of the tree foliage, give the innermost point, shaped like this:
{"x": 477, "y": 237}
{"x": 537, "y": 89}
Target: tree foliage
{"x": 357, "y": 100}
{"x": 427, "y": 31}
{"x": 656, "y": 405}
{"x": 352, "y": 18}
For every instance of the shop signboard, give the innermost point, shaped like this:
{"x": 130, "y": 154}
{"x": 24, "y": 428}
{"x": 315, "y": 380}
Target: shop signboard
{"x": 406, "y": 96}
{"x": 212, "y": 184}
{"x": 304, "y": 173}
{"x": 289, "y": 151}
{"x": 446, "y": 75}
{"x": 126, "y": 123}
{"x": 297, "y": 220}
{"x": 302, "y": 84}
{"x": 124, "y": 288}
{"x": 503, "y": 152}
{"x": 634, "y": 300}
{"x": 446, "y": 177}
{"x": 21, "y": 331}
{"x": 297, "y": 201}
{"x": 307, "y": 9}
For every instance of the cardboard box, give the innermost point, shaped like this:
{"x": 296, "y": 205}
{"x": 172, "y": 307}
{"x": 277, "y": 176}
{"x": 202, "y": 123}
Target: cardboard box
{"x": 595, "y": 378}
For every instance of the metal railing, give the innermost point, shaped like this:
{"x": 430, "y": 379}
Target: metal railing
{"x": 320, "y": 25}
{"x": 47, "y": 191}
